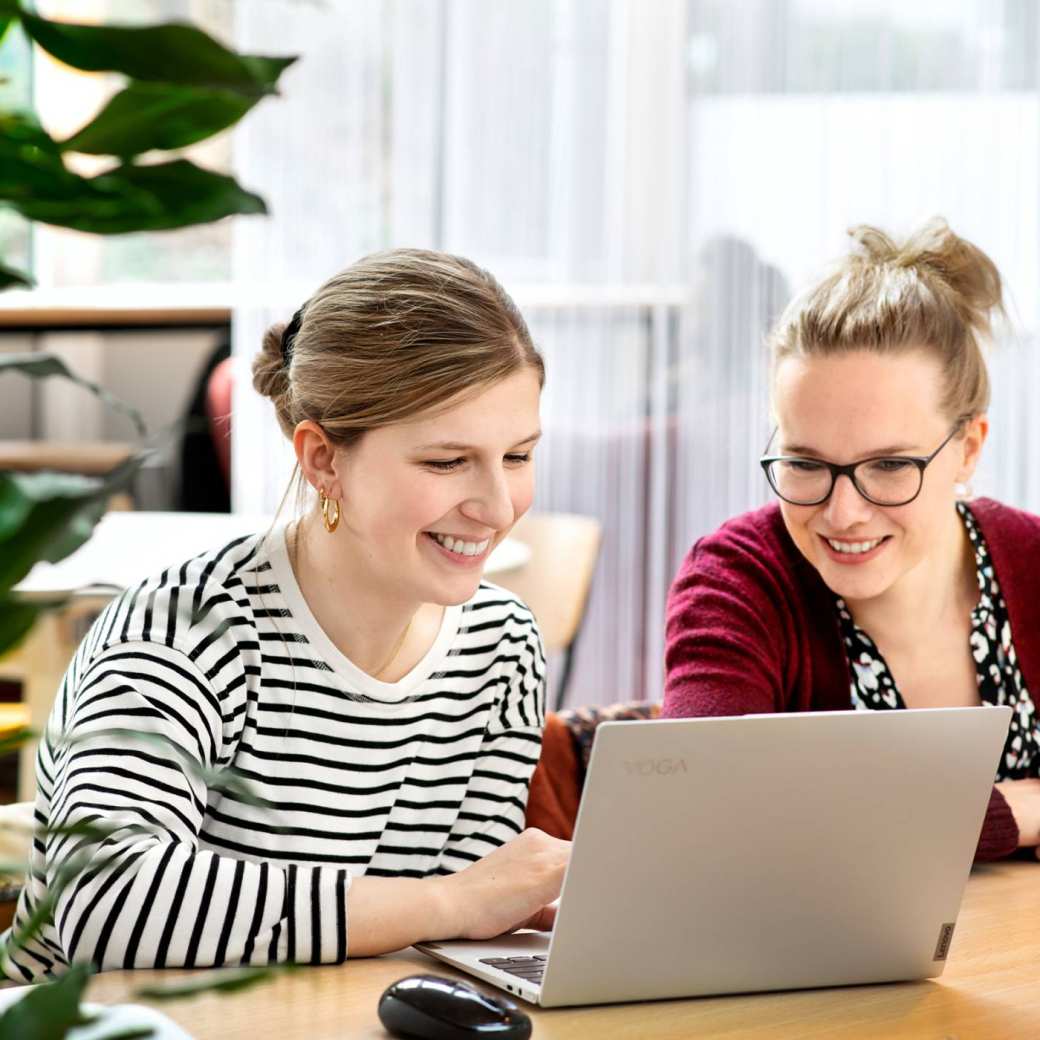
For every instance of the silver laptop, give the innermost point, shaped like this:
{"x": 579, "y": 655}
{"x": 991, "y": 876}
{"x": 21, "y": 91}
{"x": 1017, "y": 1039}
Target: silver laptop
{"x": 761, "y": 852}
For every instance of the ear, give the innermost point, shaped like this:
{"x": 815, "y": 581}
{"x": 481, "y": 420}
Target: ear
{"x": 975, "y": 434}
{"x": 318, "y": 458}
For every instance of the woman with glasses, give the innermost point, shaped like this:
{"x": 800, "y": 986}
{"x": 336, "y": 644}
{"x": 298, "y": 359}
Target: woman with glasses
{"x": 872, "y": 582}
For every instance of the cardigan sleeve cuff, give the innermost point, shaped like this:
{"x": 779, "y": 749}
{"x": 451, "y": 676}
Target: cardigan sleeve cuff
{"x": 999, "y": 837}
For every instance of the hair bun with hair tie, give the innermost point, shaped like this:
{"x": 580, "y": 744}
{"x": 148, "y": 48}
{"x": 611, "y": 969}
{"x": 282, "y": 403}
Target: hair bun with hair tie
{"x": 289, "y": 335}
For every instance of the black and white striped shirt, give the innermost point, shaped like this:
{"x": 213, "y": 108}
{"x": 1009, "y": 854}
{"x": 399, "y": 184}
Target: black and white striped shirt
{"x": 219, "y": 663}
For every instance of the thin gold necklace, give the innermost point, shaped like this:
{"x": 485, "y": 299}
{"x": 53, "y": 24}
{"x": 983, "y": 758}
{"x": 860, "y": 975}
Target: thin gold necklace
{"x": 293, "y": 562}
{"x": 397, "y": 649}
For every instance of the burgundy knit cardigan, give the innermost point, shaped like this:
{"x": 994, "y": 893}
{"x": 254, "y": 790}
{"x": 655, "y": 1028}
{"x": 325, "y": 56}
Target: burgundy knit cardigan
{"x": 752, "y": 628}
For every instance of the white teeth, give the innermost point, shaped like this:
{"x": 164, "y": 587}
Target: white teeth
{"x": 854, "y": 548}
{"x": 457, "y": 545}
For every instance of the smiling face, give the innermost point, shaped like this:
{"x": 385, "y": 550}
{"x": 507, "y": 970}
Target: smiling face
{"x": 424, "y": 502}
{"x": 848, "y": 407}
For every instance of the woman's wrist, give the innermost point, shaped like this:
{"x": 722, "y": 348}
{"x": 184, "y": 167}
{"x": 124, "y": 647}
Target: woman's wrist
{"x": 387, "y": 914}
{"x": 444, "y": 908}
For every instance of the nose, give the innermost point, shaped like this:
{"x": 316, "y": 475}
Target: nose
{"x": 491, "y": 502}
{"x": 846, "y": 507}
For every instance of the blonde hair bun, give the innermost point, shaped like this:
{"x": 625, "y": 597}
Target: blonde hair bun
{"x": 934, "y": 291}
{"x": 936, "y": 251}
{"x": 270, "y": 376}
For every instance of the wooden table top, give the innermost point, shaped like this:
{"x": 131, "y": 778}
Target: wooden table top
{"x": 990, "y": 989}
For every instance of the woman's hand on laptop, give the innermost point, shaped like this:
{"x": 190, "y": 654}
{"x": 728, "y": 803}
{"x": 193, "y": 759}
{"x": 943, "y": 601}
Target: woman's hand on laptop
{"x": 515, "y": 886}
{"x": 1023, "y": 798}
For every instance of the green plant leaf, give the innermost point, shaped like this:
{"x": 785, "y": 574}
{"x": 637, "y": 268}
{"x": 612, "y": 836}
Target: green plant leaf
{"x": 9, "y": 16}
{"x": 28, "y": 930}
{"x": 47, "y": 366}
{"x": 22, "y": 129}
{"x": 145, "y": 116}
{"x": 35, "y": 182}
{"x": 96, "y": 832}
{"x": 144, "y": 198}
{"x": 67, "y": 525}
{"x": 16, "y": 738}
{"x": 189, "y": 194}
{"x": 225, "y": 779}
{"x": 22, "y": 494}
{"x": 16, "y": 619}
{"x": 68, "y": 870}
{"x": 49, "y": 1010}
{"x": 46, "y": 516}
{"x": 232, "y": 981}
{"x": 30, "y": 162}
{"x": 171, "y": 53}
{"x": 15, "y": 741}
{"x": 10, "y": 277}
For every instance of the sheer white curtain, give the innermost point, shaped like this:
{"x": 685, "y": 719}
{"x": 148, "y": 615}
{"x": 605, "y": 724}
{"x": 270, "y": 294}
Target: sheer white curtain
{"x": 650, "y": 182}
{"x": 318, "y": 156}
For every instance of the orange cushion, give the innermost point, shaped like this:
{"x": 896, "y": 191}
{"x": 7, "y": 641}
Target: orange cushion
{"x": 552, "y": 803}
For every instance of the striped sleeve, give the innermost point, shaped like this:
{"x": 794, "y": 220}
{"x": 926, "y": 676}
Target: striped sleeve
{"x": 492, "y": 811}
{"x": 147, "y": 896}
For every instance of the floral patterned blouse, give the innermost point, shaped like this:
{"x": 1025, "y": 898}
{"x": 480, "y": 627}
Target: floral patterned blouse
{"x": 996, "y": 664}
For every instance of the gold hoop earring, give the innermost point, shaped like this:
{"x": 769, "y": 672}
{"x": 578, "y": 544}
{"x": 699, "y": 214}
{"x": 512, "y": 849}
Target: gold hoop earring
{"x": 329, "y": 512}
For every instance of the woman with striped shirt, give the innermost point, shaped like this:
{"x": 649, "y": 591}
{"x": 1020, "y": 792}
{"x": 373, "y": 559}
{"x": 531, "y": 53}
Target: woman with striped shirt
{"x": 350, "y": 669}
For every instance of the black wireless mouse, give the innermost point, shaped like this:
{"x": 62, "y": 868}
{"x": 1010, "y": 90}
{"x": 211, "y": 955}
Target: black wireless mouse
{"x": 429, "y": 1007}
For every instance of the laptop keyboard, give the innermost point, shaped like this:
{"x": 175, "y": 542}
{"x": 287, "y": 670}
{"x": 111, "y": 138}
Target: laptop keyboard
{"x": 530, "y": 969}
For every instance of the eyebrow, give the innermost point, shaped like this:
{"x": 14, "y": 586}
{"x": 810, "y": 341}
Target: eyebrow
{"x": 891, "y": 449}
{"x": 456, "y": 446}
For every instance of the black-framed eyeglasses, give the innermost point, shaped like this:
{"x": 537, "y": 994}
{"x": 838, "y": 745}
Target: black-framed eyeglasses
{"x": 888, "y": 480}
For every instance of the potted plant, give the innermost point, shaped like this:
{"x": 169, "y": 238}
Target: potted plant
{"x": 181, "y": 86}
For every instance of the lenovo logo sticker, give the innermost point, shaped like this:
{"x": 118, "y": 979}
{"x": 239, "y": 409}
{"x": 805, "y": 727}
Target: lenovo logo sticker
{"x": 942, "y": 948}
{"x": 655, "y": 766}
